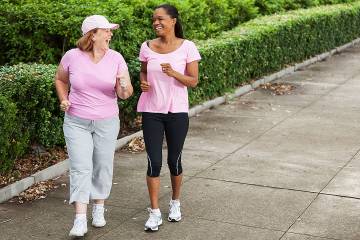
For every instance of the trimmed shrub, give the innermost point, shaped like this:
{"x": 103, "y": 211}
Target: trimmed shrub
{"x": 12, "y": 142}
{"x": 31, "y": 88}
{"x": 269, "y": 6}
{"x": 267, "y": 44}
{"x": 42, "y": 30}
{"x": 296, "y": 4}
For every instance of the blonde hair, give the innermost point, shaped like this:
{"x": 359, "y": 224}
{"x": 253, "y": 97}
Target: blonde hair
{"x": 85, "y": 43}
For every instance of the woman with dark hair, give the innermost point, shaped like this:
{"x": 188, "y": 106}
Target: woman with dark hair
{"x": 169, "y": 64}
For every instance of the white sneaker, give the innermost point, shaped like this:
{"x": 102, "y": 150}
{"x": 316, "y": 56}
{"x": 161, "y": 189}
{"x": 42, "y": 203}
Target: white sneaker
{"x": 154, "y": 221}
{"x": 98, "y": 219}
{"x": 174, "y": 211}
{"x": 79, "y": 229}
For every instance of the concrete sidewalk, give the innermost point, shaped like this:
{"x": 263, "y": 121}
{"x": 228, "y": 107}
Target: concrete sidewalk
{"x": 261, "y": 167}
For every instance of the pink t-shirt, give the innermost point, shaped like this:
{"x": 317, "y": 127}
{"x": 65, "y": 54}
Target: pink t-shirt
{"x": 92, "y": 85}
{"x": 166, "y": 94}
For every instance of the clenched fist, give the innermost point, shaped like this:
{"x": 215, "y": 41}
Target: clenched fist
{"x": 65, "y": 105}
{"x": 145, "y": 86}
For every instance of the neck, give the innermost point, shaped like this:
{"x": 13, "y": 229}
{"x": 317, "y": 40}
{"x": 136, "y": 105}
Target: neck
{"x": 168, "y": 39}
{"x": 99, "y": 50}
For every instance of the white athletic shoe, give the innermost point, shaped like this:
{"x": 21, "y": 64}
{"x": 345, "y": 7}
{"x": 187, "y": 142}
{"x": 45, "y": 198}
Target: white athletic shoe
{"x": 98, "y": 219}
{"x": 154, "y": 221}
{"x": 174, "y": 211}
{"x": 79, "y": 229}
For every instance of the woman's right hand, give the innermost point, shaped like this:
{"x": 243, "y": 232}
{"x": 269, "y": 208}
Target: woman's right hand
{"x": 65, "y": 105}
{"x": 145, "y": 86}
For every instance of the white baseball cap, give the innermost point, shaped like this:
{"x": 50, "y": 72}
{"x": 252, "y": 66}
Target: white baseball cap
{"x": 96, "y": 21}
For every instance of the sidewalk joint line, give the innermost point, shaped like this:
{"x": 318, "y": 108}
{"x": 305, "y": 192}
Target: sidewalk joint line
{"x": 257, "y": 185}
{"x": 302, "y": 213}
{"x": 305, "y": 234}
{"x": 240, "y": 224}
{"x": 274, "y": 187}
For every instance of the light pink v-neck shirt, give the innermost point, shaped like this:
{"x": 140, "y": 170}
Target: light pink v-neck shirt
{"x": 92, "y": 85}
{"x": 166, "y": 94}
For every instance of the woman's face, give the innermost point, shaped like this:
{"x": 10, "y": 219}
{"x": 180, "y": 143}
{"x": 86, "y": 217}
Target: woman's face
{"x": 162, "y": 23}
{"x": 102, "y": 37}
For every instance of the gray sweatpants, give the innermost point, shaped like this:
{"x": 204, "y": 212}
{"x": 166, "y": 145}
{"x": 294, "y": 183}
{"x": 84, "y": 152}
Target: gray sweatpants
{"x": 91, "y": 147}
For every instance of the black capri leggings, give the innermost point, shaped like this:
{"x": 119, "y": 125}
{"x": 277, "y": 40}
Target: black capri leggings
{"x": 175, "y": 126}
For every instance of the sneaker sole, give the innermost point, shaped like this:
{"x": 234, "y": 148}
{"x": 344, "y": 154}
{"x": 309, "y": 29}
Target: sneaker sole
{"x": 151, "y": 229}
{"x": 76, "y": 236}
{"x": 174, "y": 219}
{"x": 98, "y": 225}
{"x": 155, "y": 229}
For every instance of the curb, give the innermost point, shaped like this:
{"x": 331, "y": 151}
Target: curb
{"x": 60, "y": 168}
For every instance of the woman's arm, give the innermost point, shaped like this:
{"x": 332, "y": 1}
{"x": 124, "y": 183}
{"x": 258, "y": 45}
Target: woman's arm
{"x": 62, "y": 87}
{"x": 123, "y": 87}
{"x": 144, "y": 85}
{"x": 191, "y": 77}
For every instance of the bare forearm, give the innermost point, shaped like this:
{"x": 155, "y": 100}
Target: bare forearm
{"x": 143, "y": 76}
{"x": 62, "y": 90}
{"x": 186, "y": 80}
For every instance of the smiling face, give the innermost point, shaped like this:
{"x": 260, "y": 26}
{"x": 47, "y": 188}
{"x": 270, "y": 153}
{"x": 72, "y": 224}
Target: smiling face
{"x": 162, "y": 23}
{"x": 102, "y": 37}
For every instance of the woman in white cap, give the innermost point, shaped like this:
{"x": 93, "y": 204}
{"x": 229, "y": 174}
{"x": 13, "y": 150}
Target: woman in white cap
{"x": 88, "y": 81}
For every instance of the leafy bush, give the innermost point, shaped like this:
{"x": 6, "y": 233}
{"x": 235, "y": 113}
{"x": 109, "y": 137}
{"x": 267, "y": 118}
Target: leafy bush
{"x": 12, "y": 142}
{"x": 296, "y": 4}
{"x": 42, "y": 30}
{"x": 31, "y": 88}
{"x": 267, "y": 44}
{"x": 270, "y": 6}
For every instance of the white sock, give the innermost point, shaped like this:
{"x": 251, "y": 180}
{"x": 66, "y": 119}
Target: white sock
{"x": 156, "y": 211}
{"x": 98, "y": 206}
{"x": 176, "y": 201}
{"x": 81, "y": 216}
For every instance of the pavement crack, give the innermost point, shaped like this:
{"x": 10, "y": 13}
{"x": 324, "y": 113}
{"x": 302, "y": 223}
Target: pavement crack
{"x": 317, "y": 195}
{"x": 240, "y": 224}
{"x": 314, "y": 236}
{"x": 276, "y": 187}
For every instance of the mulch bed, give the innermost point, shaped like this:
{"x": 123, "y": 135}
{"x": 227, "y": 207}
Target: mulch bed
{"x": 278, "y": 88}
{"x": 32, "y": 163}
{"x": 37, "y": 191}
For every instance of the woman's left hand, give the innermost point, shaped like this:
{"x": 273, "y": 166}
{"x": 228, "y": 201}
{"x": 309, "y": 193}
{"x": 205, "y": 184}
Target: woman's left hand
{"x": 123, "y": 85}
{"x": 121, "y": 81}
{"x": 166, "y": 68}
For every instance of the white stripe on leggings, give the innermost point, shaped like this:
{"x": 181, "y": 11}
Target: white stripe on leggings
{"x": 150, "y": 166}
{"x": 177, "y": 164}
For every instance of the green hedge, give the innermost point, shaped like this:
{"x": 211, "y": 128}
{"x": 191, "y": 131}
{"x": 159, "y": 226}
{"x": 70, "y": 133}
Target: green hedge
{"x": 31, "y": 89}
{"x": 266, "y": 7}
{"x": 267, "y": 44}
{"x": 12, "y": 142}
{"x": 28, "y": 103}
{"x": 42, "y": 30}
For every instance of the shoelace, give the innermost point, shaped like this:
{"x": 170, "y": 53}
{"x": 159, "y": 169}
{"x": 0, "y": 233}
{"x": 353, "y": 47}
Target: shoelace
{"x": 153, "y": 218}
{"x": 174, "y": 208}
{"x": 97, "y": 213}
{"x": 79, "y": 223}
